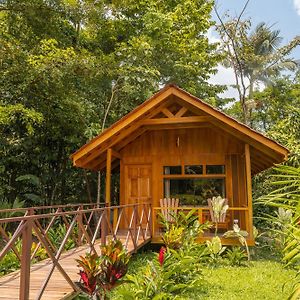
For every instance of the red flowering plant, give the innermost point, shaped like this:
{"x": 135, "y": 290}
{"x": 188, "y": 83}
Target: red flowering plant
{"x": 161, "y": 256}
{"x": 100, "y": 275}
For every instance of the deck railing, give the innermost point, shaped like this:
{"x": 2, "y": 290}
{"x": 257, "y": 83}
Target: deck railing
{"x": 27, "y": 232}
{"x": 241, "y": 214}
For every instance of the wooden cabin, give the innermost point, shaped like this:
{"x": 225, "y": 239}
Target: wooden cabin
{"x": 175, "y": 145}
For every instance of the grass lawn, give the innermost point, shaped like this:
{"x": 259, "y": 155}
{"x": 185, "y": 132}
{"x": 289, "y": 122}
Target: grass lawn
{"x": 261, "y": 280}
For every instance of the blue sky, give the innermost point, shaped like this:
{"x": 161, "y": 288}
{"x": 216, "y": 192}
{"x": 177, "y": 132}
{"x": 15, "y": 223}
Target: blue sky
{"x": 284, "y": 14}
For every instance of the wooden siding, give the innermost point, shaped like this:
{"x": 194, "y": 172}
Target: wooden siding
{"x": 160, "y": 148}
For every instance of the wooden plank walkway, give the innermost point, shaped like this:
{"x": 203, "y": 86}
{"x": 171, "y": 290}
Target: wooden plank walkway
{"x": 58, "y": 287}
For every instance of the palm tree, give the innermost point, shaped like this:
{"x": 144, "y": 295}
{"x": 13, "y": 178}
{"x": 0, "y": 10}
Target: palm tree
{"x": 254, "y": 56}
{"x": 267, "y": 58}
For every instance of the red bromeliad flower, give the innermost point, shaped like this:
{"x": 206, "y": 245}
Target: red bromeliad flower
{"x": 161, "y": 255}
{"x": 88, "y": 283}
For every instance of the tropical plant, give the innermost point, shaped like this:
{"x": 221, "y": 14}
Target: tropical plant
{"x": 170, "y": 275}
{"x": 286, "y": 220}
{"x": 182, "y": 230}
{"x": 57, "y": 233}
{"x": 10, "y": 262}
{"x": 113, "y": 265}
{"x": 89, "y": 273}
{"x": 255, "y": 56}
{"x": 99, "y": 275}
{"x": 236, "y": 256}
{"x": 241, "y": 235}
{"x": 215, "y": 249}
{"x": 173, "y": 237}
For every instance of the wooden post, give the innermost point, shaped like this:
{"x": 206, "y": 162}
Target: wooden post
{"x": 25, "y": 259}
{"x": 150, "y": 214}
{"x": 249, "y": 190}
{"x": 108, "y": 177}
{"x": 134, "y": 226}
{"x": 153, "y": 218}
{"x": 79, "y": 220}
{"x": 115, "y": 218}
{"x": 103, "y": 227}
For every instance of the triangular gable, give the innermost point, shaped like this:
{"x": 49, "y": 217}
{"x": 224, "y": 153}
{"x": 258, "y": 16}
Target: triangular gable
{"x": 172, "y": 105}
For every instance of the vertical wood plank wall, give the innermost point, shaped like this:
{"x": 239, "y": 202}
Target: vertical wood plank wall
{"x": 159, "y": 148}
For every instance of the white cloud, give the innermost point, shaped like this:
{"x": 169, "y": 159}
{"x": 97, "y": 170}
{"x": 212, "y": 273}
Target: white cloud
{"x": 297, "y": 6}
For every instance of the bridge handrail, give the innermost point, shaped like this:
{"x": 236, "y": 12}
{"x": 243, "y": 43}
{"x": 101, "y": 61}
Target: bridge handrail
{"x": 84, "y": 224}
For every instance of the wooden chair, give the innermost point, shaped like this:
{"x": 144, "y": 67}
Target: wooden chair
{"x": 219, "y": 220}
{"x": 169, "y": 207}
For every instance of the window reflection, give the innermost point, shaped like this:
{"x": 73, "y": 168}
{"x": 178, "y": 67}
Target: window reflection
{"x": 194, "y": 191}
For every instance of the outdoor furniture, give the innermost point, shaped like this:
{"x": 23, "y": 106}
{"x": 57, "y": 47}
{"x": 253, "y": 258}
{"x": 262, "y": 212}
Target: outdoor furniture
{"x": 169, "y": 207}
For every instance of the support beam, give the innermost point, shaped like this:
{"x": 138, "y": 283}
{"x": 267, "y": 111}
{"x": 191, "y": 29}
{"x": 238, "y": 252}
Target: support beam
{"x": 167, "y": 113}
{"x": 108, "y": 177}
{"x": 182, "y": 120}
{"x": 249, "y": 189}
{"x": 115, "y": 154}
{"x": 181, "y": 112}
{"x": 177, "y": 126}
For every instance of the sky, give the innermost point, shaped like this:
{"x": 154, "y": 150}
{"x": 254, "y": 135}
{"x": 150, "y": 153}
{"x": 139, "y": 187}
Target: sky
{"x": 284, "y": 14}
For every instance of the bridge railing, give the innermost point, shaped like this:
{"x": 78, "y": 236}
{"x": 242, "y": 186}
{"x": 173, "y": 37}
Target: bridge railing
{"x": 37, "y": 233}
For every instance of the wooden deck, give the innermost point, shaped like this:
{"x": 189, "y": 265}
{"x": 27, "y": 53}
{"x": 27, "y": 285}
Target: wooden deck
{"x": 58, "y": 287}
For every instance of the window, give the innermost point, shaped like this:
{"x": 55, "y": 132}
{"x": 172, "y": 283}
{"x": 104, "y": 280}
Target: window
{"x": 215, "y": 169}
{"x": 172, "y": 170}
{"x": 194, "y": 191}
{"x": 193, "y": 170}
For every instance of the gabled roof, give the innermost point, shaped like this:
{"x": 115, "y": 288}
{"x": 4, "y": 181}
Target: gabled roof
{"x": 154, "y": 112}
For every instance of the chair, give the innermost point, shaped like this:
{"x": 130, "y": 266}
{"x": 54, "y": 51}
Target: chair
{"x": 217, "y": 209}
{"x": 169, "y": 207}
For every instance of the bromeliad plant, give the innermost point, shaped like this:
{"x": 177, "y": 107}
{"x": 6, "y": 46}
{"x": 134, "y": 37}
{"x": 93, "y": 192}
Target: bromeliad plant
{"x": 99, "y": 275}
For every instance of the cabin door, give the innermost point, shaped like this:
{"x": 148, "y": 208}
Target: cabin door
{"x": 138, "y": 181}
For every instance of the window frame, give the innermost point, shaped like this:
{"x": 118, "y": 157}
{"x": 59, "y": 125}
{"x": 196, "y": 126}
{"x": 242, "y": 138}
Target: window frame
{"x": 189, "y": 176}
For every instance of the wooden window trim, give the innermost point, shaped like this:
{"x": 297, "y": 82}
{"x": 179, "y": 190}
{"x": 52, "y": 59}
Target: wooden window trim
{"x": 214, "y": 176}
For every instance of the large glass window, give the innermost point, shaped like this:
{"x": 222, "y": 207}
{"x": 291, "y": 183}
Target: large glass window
{"x": 194, "y": 191}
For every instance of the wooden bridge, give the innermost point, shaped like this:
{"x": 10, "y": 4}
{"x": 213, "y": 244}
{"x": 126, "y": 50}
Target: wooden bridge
{"x": 45, "y": 241}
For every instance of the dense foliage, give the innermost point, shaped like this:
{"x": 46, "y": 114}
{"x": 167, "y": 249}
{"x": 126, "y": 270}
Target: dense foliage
{"x": 285, "y": 229}
{"x": 69, "y": 69}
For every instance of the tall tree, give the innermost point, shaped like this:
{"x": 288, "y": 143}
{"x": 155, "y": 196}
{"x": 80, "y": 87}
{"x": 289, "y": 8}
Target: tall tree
{"x": 255, "y": 57}
{"x": 82, "y": 64}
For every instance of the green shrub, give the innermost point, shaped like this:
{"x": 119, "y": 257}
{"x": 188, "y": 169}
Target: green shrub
{"x": 172, "y": 275}
{"x": 236, "y": 256}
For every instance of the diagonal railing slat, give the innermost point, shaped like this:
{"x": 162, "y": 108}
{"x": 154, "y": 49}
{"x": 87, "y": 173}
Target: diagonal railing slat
{"x": 28, "y": 233}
